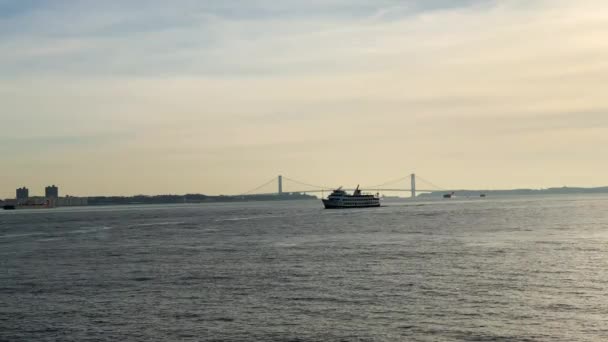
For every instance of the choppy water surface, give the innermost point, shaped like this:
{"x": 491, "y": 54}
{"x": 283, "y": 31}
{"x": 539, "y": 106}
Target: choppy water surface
{"x": 527, "y": 269}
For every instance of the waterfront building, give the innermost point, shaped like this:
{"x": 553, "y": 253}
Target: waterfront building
{"x": 71, "y": 201}
{"x": 22, "y": 194}
{"x": 51, "y": 192}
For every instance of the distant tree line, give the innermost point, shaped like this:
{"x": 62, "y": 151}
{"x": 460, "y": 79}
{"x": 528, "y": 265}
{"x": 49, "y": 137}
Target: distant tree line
{"x": 192, "y": 198}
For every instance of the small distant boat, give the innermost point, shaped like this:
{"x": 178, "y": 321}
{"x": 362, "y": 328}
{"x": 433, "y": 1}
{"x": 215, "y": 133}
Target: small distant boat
{"x": 9, "y": 207}
{"x": 339, "y": 199}
{"x": 482, "y": 195}
{"x": 450, "y": 195}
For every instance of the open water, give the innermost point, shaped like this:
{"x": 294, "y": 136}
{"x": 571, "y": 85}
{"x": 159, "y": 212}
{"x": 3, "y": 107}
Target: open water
{"x": 519, "y": 269}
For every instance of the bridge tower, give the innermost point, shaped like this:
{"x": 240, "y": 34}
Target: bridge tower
{"x": 413, "y": 183}
{"x": 280, "y": 181}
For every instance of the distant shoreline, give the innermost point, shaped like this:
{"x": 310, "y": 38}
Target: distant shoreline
{"x": 519, "y": 192}
{"x": 192, "y": 199}
{"x": 200, "y": 198}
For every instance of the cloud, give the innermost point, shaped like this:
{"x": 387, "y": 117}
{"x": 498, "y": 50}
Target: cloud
{"x": 196, "y": 37}
{"x": 219, "y": 85}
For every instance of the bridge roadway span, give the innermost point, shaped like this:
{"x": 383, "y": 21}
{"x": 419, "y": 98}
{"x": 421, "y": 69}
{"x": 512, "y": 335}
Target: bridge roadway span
{"x": 362, "y": 189}
{"x": 375, "y": 188}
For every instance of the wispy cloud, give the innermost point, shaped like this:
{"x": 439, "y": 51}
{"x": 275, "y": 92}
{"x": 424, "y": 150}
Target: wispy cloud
{"x": 208, "y": 38}
{"x": 431, "y": 78}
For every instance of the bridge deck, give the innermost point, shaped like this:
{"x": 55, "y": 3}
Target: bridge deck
{"x": 362, "y": 189}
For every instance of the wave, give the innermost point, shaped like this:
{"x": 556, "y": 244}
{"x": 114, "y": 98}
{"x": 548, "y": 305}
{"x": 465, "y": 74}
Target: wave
{"x": 152, "y": 224}
{"x": 8, "y": 236}
{"x": 246, "y": 218}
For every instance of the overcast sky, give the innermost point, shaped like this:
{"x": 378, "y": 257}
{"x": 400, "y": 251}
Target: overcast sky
{"x": 128, "y": 97}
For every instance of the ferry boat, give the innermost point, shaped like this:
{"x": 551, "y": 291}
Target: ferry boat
{"x": 339, "y": 199}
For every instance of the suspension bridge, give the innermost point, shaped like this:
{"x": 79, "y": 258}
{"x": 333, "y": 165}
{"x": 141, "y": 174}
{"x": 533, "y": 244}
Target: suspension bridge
{"x": 404, "y": 184}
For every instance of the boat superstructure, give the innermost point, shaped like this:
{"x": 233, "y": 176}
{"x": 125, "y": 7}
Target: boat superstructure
{"x": 340, "y": 199}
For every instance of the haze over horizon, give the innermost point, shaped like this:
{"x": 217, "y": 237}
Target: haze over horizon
{"x": 217, "y": 97}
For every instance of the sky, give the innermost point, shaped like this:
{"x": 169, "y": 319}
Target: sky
{"x": 217, "y": 97}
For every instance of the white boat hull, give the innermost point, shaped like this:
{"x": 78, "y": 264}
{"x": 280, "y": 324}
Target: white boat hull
{"x": 329, "y": 204}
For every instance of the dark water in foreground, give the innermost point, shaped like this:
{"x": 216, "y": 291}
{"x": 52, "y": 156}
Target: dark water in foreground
{"x": 527, "y": 269}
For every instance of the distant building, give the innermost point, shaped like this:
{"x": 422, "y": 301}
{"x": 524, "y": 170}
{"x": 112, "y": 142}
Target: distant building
{"x": 39, "y": 202}
{"x": 71, "y": 201}
{"x": 51, "y": 192}
{"x": 22, "y": 194}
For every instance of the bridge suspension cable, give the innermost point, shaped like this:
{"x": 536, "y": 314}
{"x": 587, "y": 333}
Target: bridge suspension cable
{"x": 320, "y": 188}
{"x": 429, "y": 183}
{"x": 307, "y": 184}
{"x": 259, "y": 187}
{"x": 389, "y": 182}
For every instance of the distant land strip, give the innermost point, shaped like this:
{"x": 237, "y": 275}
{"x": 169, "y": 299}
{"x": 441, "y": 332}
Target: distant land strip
{"x": 192, "y": 198}
{"x": 520, "y": 192}
{"x": 200, "y": 198}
